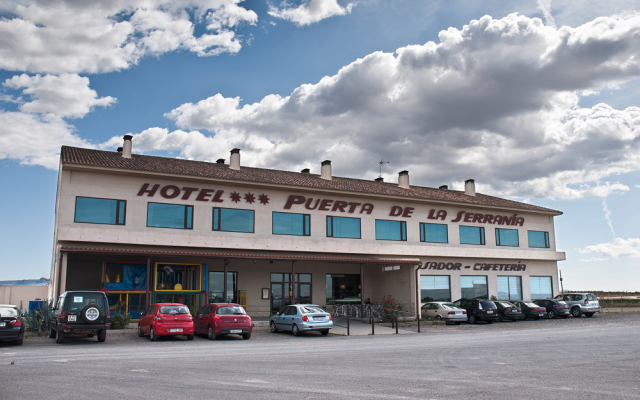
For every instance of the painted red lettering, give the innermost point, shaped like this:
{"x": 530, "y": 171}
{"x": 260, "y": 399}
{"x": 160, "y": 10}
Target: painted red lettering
{"x": 204, "y": 193}
{"x": 175, "y": 192}
{"x": 407, "y": 212}
{"x": 150, "y": 192}
{"x": 294, "y": 200}
{"x": 339, "y": 206}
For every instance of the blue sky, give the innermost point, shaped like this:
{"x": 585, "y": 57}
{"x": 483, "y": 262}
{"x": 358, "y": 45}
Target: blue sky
{"x": 536, "y": 100}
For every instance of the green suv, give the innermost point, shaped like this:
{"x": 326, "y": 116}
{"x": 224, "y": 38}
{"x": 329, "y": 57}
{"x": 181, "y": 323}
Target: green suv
{"x": 80, "y": 313}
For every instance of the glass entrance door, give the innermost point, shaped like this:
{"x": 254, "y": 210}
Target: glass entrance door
{"x": 281, "y": 290}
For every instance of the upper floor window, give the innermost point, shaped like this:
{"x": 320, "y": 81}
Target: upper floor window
{"x": 233, "y": 220}
{"x": 539, "y": 239}
{"x": 391, "y": 230}
{"x": 343, "y": 227}
{"x": 471, "y": 235}
{"x": 434, "y": 233}
{"x": 507, "y": 237}
{"x": 291, "y": 224}
{"x": 100, "y": 211}
{"x": 162, "y": 215}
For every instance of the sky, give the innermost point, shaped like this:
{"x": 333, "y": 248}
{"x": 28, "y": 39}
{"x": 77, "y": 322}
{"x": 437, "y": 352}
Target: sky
{"x": 538, "y": 101}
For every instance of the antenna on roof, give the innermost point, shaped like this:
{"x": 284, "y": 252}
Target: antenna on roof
{"x": 381, "y": 164}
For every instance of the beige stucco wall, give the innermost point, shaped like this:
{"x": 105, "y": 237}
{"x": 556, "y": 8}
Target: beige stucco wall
{"x": 10, "y": 294}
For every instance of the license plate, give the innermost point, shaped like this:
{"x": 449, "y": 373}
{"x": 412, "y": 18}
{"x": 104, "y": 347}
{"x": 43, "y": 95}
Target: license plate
{"x": 542, "y": 315}
{"x": 3, "y": 323}
{"x": 318, "y": 319}
{"x": 175, "y": 330}
{"x": 489, "y": 312}
{"x": 72, "y": 318}
{"x": 235, "y": 331}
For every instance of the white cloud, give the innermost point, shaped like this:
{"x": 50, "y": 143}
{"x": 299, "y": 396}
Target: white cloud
{"x": 309, "y": 11}
{"x": 496, "y": 101}
{"x": 616, "y": 249}
{"x": 68, "y": 36}
{"x": 545, "y": 7}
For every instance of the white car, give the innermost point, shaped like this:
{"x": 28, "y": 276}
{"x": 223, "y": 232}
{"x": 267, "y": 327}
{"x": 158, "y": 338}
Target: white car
{"x": 444, "y": 311}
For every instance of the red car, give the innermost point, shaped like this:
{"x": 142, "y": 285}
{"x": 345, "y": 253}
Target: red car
{"x": 166, "y": 319}
{"x": 218, "y": 319}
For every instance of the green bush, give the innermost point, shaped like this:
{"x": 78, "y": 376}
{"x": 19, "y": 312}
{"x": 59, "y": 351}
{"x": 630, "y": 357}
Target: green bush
{"x": 120, "y": 320}
{"x": 391, "y": 308}
{"x": 38, "y": 319}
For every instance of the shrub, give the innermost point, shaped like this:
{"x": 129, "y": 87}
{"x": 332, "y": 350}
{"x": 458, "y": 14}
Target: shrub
{"x": 391, "y": 307}
{"x": 120, "y": 320}
{"x": 38, "y": 320}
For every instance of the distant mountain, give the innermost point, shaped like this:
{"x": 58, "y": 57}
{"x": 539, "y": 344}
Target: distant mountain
{"x": 27, "y": 282}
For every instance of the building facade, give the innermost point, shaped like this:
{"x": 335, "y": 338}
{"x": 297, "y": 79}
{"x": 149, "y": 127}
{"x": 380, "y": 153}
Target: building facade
{"x": 151, "y": 229}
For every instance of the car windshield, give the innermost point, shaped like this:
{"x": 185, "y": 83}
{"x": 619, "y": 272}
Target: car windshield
{"x": 231, "y": 310}
{"x": 174, "y": 310}
{"x": 77, "y": 301}
{"x": 488, "y": 305}
{"x": 313, "y": 310}
{"x": 450, "y": 306}
{"x": 531, "y": 305}
{"x": 506, "y": 304}
{"x": 8, "y": 312}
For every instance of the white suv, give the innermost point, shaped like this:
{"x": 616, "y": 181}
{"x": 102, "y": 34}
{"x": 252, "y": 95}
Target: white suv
{"x": 580, "y": 303}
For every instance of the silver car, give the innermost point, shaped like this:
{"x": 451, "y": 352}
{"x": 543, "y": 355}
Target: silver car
{"x": 580, "y": 303}
{"x": 300, "y": 318}
{"x": 444, "y": 311}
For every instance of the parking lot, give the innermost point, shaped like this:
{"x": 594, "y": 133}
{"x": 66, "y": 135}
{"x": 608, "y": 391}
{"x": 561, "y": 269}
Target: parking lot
{"x": 573, "y": 358}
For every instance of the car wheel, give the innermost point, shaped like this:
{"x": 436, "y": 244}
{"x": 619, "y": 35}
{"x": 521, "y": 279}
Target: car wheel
{"x": 500, "y": 318}
{"x": 59, "y": 336}
{"x": 438, "y": 318}
{"x": 20, "y": 341}
{"x": 295, "y": 330}
{"x": 190, "y": 337}
{"x": 246, "y": 336}
{"x": 472, "y": 319}
{"x": 102, "y": 335}
{"x": 152, "y": 335}
{"x": 588, "y": 315}
{"x": 140, "y": 333}
{"x": 210, "y": 334}
{"x": 552, "y": 314}
{"x": 324, "y": 332}
{"x": 273, "y": 327}
{"x": 52, "y": 333}
{"x": 576, "y": 312}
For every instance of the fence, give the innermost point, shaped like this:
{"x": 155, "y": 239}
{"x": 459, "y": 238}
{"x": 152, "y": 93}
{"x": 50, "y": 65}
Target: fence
{"x": 372, "y": 314}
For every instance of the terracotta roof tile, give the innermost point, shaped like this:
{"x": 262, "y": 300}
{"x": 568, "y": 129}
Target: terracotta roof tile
{"x": 110, "y": 159}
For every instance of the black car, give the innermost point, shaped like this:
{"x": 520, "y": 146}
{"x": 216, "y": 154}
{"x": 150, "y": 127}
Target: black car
{"x": 479, "y": 310}
{"x": 555, "y": 308}
{"x": 508, "y": 311}
{"x": 80, "y": 313}
{"x": 11, "y": 325}
{"x": 531, "y": 310}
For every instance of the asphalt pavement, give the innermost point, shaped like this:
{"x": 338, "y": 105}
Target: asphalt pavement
{"x": 585, "y": 358}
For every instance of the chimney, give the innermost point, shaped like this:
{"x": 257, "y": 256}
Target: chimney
{"x": 305, "y": 171}
{"x": 326, "y": 170}
{"x": 235, "y": 159}
{"x": 444, "y": 187}
{"x": 470, "y": 187}
{"x": 379, "y": 179}
{"x": 220, "y": 161}
{"x": 126, "y": 146}
{"x": 119, "y": 149}
{"x": 403, "y": 179}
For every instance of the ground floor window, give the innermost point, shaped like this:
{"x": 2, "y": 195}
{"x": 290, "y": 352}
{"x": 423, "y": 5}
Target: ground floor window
{"x": 343, "y": 288}
{"x": 132, "y": 303}
{"x": 178, "y": 277}
{"x": 541, "y": 287}
{"x": 474, "y": 287}
{"x": 281, "y": 290}
{"x": 509, "y": 288}
{"x": 191, "y": 300}
{"x": 125, "y": 276}
{"x": 435, "y": 288}
{"x": 216, "y": 287}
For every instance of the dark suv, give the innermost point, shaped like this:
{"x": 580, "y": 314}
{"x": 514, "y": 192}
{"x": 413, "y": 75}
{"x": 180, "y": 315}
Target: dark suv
{"x": 555, "y": 308}
{"x": 80, "y": 313}
{"x": 479, "y": 310}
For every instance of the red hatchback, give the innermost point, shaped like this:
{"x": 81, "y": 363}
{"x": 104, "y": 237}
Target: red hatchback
{"x": 166, "y": 319}
{"x": 218, "y": 319}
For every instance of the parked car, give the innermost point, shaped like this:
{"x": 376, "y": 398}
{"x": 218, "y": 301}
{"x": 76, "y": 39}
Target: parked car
{"x": 219, "y": 319}
{"x": 11, "y": 324}
{"x": 300, "y": 318}
{"x": 478, "y": 310}
{"x": 166, "y": 319}
{"x": 580, "y": 303}
{"x": 508, "y": 311}
{"x": 555, "y": 308}
{"x": 444, "y": 311}
{"x": 80, "y": 313}
{"x": 531, "y": 310}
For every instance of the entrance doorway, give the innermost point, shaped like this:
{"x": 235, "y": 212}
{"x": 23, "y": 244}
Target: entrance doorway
{"x": 281, "y": 290}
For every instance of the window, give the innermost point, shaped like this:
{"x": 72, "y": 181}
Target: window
{"x": 434, "y": 288}
{"x": 541, "y": 287}
{"x": 343, "y": 288}
{"x": 216, "y": 287}
{"x": 281, "y": 290}
{"x": 177, "y": 277}
{"x": 161, "y": 215}
{"x": 507, "y": 237}
{"x": 391, "y": 230}
{"x": 100, "y": 211}
{"x": 471, "y": 235}
{"x": 291, "y": 224}
{"x": 434, "y": 233}
{"x": 233, "y": 220}
{"x": 509, "y": 288}
{"x": 539, "y": 239}
{"x": 474, "y": 287}
{"x": 343, "y": 227}
{"x": 125, "y": 276}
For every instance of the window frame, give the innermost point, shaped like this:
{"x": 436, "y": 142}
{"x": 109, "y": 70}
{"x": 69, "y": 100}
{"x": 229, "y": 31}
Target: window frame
{"x": 509, "y": 287}
{"x": 403, "y": 230}
{"x": 486, "y": 280}
{"x": 306, "y": 224}
{"x": 483, "y": 240}
{"x": 423, "y": 236}
{"x": 448, "y": 287}
{"x": 219, "y": 210}
{"x": 542, "y": 276}
{"x": 546, "y": 240}
{"x": 118, "y": 203}
{"x": 507, "y": 245}
{"x": 330, "y": 232}
{"x": 186, "y": 213}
